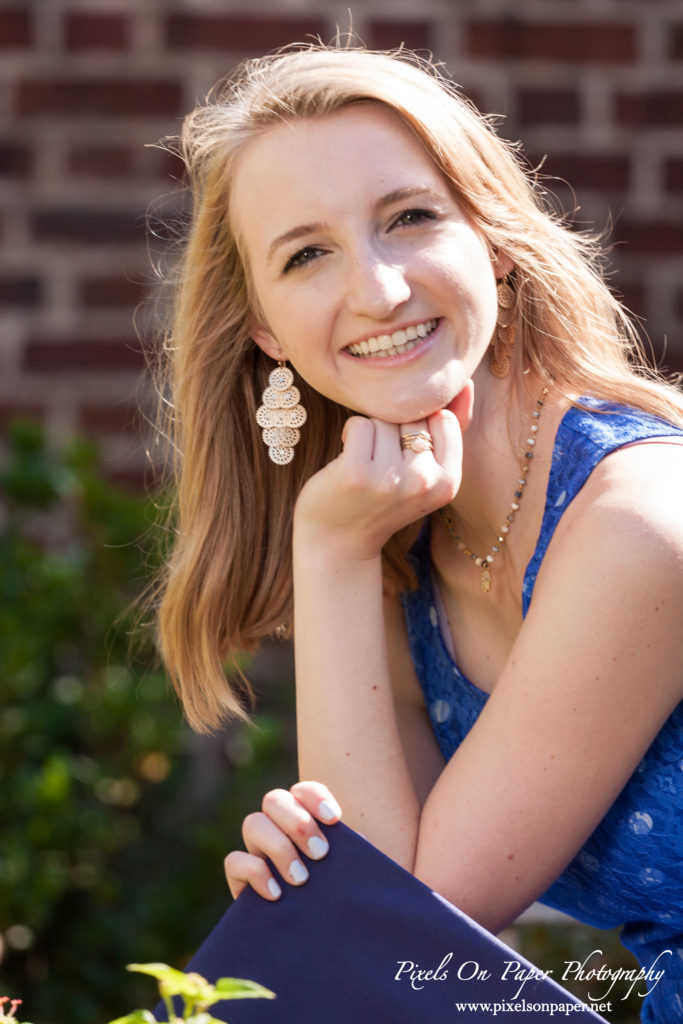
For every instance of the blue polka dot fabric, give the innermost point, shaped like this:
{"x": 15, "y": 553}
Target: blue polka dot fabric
{"x": 630, "y": 871}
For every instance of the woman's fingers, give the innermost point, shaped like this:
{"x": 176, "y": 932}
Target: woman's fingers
{"x": 263, "y": 837}
{"x": 376, "y": 487}
{"x": 358, "y": 439}
{"x": 462, "y": 405}
{"x": 317, "y": 800}
{"x": 293, "y": 813}
{"x": 447, "y": 439}
{"x": 243, "y": 869}
{"x": 419, "y": 462}
{"x": 368, "y": 441}
{"x": 433, "y": 449}
{"x": 415, "y": 440}
{"x": 284, "y": 829}
{"x": 384, "y": 447}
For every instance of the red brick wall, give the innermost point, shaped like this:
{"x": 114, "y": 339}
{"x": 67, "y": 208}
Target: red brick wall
{"x": 596, "y": 85}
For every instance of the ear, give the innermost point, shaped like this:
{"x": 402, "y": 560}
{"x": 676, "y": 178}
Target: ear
{"x": 265, "y": 341}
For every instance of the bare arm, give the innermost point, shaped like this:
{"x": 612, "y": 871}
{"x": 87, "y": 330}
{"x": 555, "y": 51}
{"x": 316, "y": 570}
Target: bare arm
{"x": 339, "y": 623}
{"x": 593, "y": 675}
{"x": 568, "y": 720}
{"x": 349, "y": 733}
{"x": 424, "y": 758}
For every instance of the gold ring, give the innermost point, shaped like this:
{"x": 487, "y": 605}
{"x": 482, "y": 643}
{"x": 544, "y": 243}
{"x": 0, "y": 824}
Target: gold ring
{"x": 419, "y": 442}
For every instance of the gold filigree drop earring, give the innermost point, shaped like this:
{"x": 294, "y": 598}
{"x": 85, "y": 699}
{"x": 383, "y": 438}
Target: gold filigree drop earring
{"x": 281, "y": 415}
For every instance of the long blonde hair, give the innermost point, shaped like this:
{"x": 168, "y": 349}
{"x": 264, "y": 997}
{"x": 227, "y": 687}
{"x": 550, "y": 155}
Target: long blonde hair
{"x": 228, "y": 581}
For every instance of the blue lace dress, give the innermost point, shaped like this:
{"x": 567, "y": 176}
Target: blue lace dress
{"x": 630, "y": 871}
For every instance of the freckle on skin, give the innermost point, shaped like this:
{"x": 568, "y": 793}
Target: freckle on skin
{"x": 374, "y": 687}
{"x": 511, "y": 856}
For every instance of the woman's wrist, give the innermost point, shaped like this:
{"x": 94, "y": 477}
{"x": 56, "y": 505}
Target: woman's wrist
{"x": 322, "y": 552}
{"x": 333, "y": 546}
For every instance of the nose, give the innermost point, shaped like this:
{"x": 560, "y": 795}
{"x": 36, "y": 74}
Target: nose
{"x": 376, "y": 287}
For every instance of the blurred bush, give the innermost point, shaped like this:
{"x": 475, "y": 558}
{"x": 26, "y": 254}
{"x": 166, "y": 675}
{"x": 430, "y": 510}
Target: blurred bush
{"x": 114, "y": 818}
{"x": 555, "y": 947}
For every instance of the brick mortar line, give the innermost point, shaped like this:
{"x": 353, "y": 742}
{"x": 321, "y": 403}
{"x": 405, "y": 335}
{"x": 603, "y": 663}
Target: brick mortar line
{"x": 638, "y": 77}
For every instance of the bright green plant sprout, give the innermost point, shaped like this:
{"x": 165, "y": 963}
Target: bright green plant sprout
{"x": 197, "y": 993}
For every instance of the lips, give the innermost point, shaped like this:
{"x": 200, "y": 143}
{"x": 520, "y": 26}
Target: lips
{"x": 383, "y": 345}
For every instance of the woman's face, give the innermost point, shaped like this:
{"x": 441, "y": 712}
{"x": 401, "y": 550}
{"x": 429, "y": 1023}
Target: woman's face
{"x": 370, "y": 278}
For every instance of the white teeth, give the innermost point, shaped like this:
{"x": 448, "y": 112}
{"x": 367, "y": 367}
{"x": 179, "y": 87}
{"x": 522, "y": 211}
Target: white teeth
{"x": 392, "y": 344}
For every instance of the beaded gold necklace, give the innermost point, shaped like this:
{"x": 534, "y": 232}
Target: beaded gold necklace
{"x": 486, "y": 563}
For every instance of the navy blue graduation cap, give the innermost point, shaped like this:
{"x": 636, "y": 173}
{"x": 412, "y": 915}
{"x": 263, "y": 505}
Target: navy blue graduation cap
{"x": 364, "y": 942}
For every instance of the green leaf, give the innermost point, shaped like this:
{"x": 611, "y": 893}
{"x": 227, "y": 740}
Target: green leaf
{"x": 238, "y": 988}
{"x": 158, "y": 971}
{"x": 136, "y": 1017}
{"x": 176, "y": 983}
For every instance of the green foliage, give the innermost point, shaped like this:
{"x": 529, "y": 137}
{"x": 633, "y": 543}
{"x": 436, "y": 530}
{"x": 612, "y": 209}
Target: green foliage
{"x": 197, "y": 993}
{"x": 115, "y": 818}
{"x": 553, "y": 946}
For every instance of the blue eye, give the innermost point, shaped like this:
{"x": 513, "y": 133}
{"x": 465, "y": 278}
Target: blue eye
{"x": 301, "y": 257}
{"x": 417, "y": 216}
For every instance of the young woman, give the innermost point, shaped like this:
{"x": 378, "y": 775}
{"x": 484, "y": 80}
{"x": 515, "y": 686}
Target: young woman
{"x": 485, "y": 501}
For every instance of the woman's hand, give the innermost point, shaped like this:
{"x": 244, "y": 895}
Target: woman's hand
{"x": 374, "y": 488}
{"x": 285, "y": 826}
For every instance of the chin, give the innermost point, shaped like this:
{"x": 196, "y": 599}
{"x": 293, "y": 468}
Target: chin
{"x": 394, "y": 412}
{"x": 409, "y": 406}
{"x": 414, "y": 414}
{"x": 412, "y": 409}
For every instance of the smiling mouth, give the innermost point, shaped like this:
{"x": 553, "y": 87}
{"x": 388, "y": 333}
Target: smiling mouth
{"x": 384, "y": 345}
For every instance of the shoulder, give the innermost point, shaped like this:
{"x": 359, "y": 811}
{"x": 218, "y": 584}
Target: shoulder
{"x": 613, "y": 572}
{"x": 606, "y": 450}
{"x": 634, "y": 496}
{"x": 628, "y": 513}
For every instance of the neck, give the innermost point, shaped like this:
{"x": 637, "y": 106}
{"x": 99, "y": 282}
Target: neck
{"x": 494, "y": 446}
{"x": 490, "y": 459}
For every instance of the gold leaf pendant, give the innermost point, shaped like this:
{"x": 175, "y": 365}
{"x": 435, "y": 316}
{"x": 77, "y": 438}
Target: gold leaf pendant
{"x": 486, "y": 581}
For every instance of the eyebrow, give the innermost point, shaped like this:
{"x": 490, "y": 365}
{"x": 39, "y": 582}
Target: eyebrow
{"x": 396, "y": 196}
